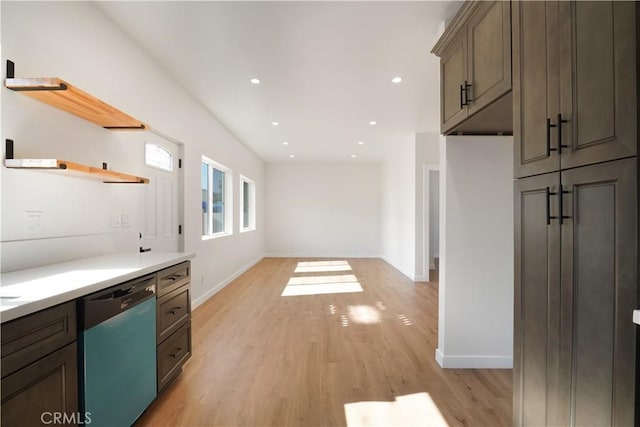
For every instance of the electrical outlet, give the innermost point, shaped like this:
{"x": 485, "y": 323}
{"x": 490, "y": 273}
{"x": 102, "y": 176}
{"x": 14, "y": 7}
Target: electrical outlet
{"x": 116, "y": 220}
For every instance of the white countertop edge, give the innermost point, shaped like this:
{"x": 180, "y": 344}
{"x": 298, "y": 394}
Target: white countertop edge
{"x": 17, "y": 282}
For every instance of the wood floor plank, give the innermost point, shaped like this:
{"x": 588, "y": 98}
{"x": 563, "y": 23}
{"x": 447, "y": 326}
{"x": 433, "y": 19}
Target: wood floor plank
{"x": 263, "y": 359}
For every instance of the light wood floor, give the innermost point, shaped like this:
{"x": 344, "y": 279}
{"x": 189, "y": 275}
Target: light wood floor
{"x": 262, "y": 359}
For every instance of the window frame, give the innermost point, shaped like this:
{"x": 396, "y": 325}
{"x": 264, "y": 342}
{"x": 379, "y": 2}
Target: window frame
{"x": 228, "y": 198}
{"x": 252, "y": 204}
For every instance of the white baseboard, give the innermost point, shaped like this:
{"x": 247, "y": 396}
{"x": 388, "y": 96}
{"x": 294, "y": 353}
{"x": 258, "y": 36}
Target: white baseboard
{"x": 420, "y": 279}
{"x": 217, "y": 288}
{"x": 321, "y": 255}
{"x": 473, "y": 362}
{"x": 411, "y": 276}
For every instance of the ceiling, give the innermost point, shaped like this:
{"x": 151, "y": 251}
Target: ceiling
{"x": 325, "y": 69}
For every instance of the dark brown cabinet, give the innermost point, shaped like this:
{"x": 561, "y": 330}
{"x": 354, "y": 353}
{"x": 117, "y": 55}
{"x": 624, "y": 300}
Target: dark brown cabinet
{"x": 475, "y": 69}
{"x": 39, "y": 367}
{"x": 576, "y": 212}
{"x": 576, "y": 285}
{"x": 575, "y": 84}
{"x": 173, "y": 325}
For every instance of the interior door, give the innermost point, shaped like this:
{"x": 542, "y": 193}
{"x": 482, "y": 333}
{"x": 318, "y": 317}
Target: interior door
{"x": 162, "y": 213}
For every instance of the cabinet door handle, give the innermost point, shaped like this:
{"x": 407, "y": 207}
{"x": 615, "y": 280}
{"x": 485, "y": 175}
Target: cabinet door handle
{"x": 559, "y": 125}
{"x": 174, "y": 310}
{"x": 464, "y": 94}
{"x": 548, "y": 194}
{"x": 549, "y": 126}
{"x": 177, "y": 352}
{"x": 561, "y": 215}
{"x": 467, "y": 99}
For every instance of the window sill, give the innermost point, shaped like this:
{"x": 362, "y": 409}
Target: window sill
{"x": 216, "y": 236}
{"x": 246, "y": 230}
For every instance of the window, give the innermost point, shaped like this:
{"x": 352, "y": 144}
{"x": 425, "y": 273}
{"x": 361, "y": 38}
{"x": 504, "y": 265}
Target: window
{"x": 158, "y": 157}
{"x": 247, "y": 204}
{"x": 216, "y": 199}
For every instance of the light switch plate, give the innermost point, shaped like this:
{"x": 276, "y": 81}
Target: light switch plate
{"x": 116, "y": 220}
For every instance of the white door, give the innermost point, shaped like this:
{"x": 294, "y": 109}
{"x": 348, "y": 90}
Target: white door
{"x": 162, "y": 214}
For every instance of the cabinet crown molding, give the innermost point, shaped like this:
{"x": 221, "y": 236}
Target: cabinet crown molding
{"x": 457, "y": 23}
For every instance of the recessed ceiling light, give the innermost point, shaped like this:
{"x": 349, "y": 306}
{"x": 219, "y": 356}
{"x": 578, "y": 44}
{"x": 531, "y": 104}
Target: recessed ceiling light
{"x": 275, "y": 123}
{"x": 255, "y": 81}
{"x": 360, "y": 142}
{"x": 285, "y": 143}
{"x": 353, "y": 156}
{"x": 372, "y": 122}
{"x": 291, "y": 156}
{"x": 397, "y": 80}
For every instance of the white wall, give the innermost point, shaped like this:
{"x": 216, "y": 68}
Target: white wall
{"x": 427, "y": 156}
{"x": 322, "y": 209}
{"x": 475, "y": 327}
{"x": 75, "y": 41}
{"x": 399, "y": 207}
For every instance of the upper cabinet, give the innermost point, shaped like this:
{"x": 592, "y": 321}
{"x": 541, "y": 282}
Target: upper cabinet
{"x": 575, "y": 84}
{"x": 475, "y": 70}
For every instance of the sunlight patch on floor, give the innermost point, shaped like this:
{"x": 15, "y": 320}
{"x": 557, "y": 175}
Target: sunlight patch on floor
{"x": 341, "y": 282}
{"x": 321, "y": 288}
{"x": 313, "y": 280}
{"x": 363, "y": 314}
{"x": 322, "y": 266}
{"x": 416, "y": 409}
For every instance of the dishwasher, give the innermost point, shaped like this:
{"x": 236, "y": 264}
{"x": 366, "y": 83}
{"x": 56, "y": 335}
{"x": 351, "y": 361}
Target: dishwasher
{"x": 118, "y": 352}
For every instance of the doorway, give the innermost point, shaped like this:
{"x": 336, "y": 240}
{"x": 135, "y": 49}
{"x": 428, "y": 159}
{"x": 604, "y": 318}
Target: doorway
{"x": 431, "y": 226}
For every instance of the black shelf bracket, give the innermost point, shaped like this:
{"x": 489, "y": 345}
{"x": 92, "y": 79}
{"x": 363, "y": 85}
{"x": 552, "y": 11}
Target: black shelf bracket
{"x": 124, "y": 127}
{"x": 11, "y": 69}
{"x": 8, "y": 149}
{"x": 11, "y": 74}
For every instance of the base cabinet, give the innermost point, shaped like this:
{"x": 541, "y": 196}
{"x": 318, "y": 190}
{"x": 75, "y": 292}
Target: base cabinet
{"x": 40, "y": 369}
{"x": 44, "y": 392}
{"x": 576, "y": 285}
{"x": 173, "y": 323}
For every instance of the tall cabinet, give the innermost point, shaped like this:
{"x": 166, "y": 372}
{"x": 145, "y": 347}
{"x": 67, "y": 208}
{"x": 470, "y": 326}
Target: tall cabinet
{"x": 575, "y": 94}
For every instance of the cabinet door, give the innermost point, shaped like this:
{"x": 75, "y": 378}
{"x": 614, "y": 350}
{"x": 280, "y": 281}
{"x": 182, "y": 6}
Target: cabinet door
{"x": 453, "y": 73}
{"x": 47, "y": 386}
{"x": 535, "y": 82}
{"x": 599, "y": 293}
{"x": 489, "y": 38}
{"x": 598, "y": 81}
{"x": 537, "y": 301}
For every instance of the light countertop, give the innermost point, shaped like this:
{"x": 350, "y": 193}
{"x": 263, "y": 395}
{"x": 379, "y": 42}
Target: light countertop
{"x": 24, "y": 292}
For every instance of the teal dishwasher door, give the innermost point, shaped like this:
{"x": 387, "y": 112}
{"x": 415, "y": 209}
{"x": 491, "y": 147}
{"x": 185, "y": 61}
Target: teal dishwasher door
{"x": 120, "y": 366}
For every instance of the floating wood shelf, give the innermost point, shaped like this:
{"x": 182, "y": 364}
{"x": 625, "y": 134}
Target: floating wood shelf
{"x": 62, "y": 95}
{"x": 107, "y": 176}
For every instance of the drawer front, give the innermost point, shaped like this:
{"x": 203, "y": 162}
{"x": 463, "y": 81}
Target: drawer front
{"x": 172, "y": 354}
{"x": 29, "y": 338}
{"x": 174, "y": 309}
{"x": 173, "y": 277}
